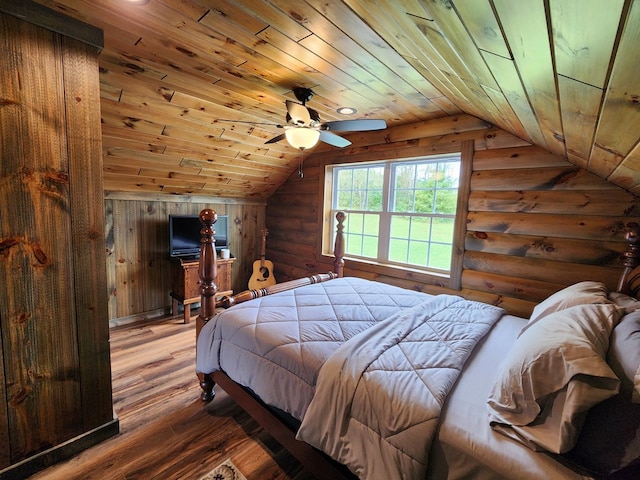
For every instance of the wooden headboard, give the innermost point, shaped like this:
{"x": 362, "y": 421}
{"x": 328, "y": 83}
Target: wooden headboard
{"x": 629, "y": 282}
{"x": 208, "y": 269}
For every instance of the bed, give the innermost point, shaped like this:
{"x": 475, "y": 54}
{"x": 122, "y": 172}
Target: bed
{"x": 360, "y": 379}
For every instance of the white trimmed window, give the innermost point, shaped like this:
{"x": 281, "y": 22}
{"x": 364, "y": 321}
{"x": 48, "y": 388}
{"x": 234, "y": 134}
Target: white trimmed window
{"x": 399, "y": 212}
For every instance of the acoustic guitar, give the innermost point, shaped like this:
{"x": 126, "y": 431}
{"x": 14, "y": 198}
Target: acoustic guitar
{"x": 262, "y": 275}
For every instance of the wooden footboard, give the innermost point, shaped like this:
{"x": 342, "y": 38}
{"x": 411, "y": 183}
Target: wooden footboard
{"x": 232, "y": 300}
{"x": 312, "y": 459}
{"x": 338, "y": 268}
{"x": 208, "y": 271}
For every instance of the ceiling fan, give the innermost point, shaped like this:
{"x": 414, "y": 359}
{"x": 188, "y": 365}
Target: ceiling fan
{"x": 304, "y": 128}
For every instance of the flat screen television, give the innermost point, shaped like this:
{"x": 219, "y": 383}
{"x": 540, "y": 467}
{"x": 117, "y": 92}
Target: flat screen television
{"x": 184, "y": 235}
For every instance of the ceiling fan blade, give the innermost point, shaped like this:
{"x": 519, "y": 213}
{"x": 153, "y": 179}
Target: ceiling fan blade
{"x": 276, "y": 139}
{"x": 298, "y": 113}
{"x": 361, "y": 125}
{"x": 333, "y": 139}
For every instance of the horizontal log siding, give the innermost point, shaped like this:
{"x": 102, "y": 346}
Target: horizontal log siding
{"x": 536, "y": 223}
{"x": 138, "y": 265}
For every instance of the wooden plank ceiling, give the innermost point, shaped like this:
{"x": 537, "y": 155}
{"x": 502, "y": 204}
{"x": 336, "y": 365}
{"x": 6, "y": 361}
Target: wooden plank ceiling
{"x": 192, "y": 89}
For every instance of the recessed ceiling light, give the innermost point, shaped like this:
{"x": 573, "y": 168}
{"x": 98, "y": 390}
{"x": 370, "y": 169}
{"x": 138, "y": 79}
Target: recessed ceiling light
{"x": 346, "y": 110}
{"x": 136, "y": 2}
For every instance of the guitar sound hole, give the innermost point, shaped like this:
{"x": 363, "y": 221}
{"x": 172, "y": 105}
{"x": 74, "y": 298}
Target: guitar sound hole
{"x": 265, "y": 272}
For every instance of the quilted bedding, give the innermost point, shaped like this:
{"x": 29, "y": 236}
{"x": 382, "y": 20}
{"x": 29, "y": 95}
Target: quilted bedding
{"x": 379, "y": 396}
{"x": 275, "y": 345}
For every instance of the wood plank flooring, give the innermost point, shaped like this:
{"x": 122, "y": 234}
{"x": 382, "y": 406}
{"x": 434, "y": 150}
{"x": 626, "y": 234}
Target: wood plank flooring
{"x": 166, "y": 431}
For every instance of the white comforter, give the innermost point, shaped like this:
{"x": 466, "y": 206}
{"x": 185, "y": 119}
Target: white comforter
{"x": 379, "y": 396}
{"x": 275, "y": 345}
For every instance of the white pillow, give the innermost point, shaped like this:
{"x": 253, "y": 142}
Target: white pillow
{"x": 551, "y": 376}
{"x": 629, "y": 304}
{"x": 578, "y": 294}
{"x": 624, "y": 354}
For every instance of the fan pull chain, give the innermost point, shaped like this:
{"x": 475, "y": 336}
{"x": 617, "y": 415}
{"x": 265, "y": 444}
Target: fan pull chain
{"x": 300, "y": 173}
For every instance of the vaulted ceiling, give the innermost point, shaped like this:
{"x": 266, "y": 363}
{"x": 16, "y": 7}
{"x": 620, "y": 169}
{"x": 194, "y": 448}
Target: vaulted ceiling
{"x": 192, "y": 89}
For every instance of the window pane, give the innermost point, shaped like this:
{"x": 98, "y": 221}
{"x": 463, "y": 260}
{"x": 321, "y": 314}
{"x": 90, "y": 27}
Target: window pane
{"x": 420, "y": 229}
{"x": 360, "y": 177}
{"x": 426, "y": 175}
{"x": 418, "y": 253}
{"x": 398, "y": 250}
{"x": 450, "y": 174}
{"x": 345, "y": 179}
{"x": 399, "y": 226}
{"x": 440, "y": 256}
{"x": 371, "y": 225}
{"x": 442, "y": 230}
{"x": 344, "y": 199}
{"x": 405, "y": 176}
{"x": 375, "y": 200}
{"x": 376, "y": 177}
{"x": 446, "y": 202}
{"x": 370, "y": 246}
{"x": 353, "y": 243}
{"x": 375, "y": 180}
{"x": 424, "y": 201}
{"x": 354, "y": 223}
{"x": 403, "y": 201}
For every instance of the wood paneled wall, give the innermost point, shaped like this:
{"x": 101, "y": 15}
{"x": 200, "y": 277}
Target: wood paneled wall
{"x": 535, "y": 223}
{"x": 55, "y": 376}
{"x": 137, "y": 244}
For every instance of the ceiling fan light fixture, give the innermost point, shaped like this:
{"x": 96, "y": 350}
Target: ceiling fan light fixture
{"x": 302, "y": 138}
{"x": 346, "y": 110}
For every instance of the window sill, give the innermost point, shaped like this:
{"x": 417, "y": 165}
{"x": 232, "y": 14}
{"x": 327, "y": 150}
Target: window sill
{"x": 394, "y": 271}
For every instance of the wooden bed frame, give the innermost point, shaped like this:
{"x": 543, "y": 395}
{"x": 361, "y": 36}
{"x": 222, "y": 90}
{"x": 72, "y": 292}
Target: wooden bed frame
{"x": 315, "y": 461}
{"x": 312, "y": 459}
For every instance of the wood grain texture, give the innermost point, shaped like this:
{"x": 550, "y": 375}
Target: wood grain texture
{"x": 166, "y": 431}
{"x": 56, "y": 375}
{"x": 44, "y": 378}
{"x": 207, "y": 81}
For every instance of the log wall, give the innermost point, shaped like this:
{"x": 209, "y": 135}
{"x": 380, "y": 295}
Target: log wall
{"x": 535, "y": 222}
{"x": 137, "y": 245}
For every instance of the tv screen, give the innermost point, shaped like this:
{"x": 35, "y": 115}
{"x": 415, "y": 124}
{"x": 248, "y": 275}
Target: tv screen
{"x": 184, "y": 234}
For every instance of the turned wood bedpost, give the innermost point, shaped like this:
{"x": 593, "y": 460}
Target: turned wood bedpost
{"x": 338, "y": 248}
{"x": 207, "y": 269}
{"x": 631, "y": 259}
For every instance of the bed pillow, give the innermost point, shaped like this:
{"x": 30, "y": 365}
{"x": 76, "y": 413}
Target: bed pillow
{"x": 553, "y": 373}
{"x": 581, "y": 293}
{"x": 624, "y": 354}
{"x": 610, "y": 438}
{"x": 627, "y": 303}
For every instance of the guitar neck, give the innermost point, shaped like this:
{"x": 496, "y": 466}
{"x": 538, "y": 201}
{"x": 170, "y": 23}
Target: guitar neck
{"x": 264, "y": 247}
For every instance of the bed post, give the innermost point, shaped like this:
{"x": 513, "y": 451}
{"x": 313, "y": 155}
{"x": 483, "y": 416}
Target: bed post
{"x": 208, "y": 269}
{"x": 338, "y": 249}
{"x": 630, "y": 260}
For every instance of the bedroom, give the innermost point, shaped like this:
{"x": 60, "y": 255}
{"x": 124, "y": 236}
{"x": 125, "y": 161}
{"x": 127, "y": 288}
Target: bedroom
{"x": 536, "y": 221}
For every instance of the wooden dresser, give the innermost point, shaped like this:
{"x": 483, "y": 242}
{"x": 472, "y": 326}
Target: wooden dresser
{"x": 185, "y": 283}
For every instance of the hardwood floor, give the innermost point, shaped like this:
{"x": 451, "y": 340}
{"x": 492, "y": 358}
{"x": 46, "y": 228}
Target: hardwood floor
{"x": 166, "y": 431}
